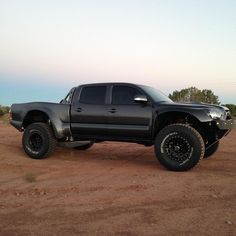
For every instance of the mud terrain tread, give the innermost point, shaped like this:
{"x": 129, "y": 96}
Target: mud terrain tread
{"x": 179, "y": 126}
{"x": 52, "y": 142}
{"x": 197, "y": 134}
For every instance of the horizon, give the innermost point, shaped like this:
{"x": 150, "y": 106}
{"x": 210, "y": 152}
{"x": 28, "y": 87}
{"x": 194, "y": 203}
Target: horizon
{"x": 48, "y": 47}
{"x": 39, "y": 91}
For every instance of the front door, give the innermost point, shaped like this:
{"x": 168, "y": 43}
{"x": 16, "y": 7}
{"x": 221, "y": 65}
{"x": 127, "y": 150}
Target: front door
{"x": 128, "y": 118}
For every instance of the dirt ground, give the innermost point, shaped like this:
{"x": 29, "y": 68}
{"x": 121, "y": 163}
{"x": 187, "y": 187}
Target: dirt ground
{"x": 114, "y": 189}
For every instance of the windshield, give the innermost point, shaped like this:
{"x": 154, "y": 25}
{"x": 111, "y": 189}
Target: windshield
{"x": 155, "y": 94}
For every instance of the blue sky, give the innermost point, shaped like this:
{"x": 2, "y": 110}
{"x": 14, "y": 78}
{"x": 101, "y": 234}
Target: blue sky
{"x": 46, "y": 47}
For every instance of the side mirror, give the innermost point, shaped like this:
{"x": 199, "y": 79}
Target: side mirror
{"x": 140, "y": 99}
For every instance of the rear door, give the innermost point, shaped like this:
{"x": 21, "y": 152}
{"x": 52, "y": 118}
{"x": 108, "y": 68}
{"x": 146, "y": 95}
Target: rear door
{"x": 128, "y": 118}
{"x": 89, "y": 111}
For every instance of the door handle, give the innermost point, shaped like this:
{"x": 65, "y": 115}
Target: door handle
{"x": 79, "y": 109}
{"x": 113, "y": 110}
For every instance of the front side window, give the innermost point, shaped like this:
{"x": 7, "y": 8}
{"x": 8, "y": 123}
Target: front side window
{"x": 155, "y": 94}
{"x": 93, "y": 95}
{"x": 124, "y": 95}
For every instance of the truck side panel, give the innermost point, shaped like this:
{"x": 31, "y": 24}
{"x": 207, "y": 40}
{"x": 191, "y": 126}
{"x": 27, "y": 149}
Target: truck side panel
{"x": 58, "y": 114}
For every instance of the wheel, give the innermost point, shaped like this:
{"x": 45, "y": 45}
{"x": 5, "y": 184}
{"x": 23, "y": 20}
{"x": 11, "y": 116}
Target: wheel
{"x": 179, "y": 147}
{"x": 211, "y": 150}
{"x": 38, "y": 140}
{"x": 84, "y": 146}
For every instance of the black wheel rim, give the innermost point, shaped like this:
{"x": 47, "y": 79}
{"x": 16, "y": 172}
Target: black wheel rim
{"x": 177, "y": 148}
{"x": 35, "y": 142}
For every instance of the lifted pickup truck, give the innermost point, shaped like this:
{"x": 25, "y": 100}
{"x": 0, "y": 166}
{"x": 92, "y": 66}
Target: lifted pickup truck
{"x": 182, "y": 133}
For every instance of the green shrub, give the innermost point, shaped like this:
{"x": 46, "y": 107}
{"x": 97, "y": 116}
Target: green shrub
{"x": 4, "y": 110}
{"x": 232, "y": 109}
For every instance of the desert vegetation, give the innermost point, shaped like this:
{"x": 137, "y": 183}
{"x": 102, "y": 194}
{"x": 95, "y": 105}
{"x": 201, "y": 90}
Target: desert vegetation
{"x": 4, "y": 110}
{"x": 194, "y": 94}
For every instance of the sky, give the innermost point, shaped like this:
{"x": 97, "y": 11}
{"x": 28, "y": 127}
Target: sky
{"x": 49, "y": 46}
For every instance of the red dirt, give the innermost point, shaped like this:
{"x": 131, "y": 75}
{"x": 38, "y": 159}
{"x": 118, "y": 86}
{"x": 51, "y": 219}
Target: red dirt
{"x": 114, "y": 189}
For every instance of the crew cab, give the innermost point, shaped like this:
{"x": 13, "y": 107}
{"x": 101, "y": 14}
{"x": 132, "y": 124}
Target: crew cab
{"x": 182, "y": 133}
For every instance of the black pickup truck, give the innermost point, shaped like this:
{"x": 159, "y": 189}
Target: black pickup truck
{"x": 182, "y": 133}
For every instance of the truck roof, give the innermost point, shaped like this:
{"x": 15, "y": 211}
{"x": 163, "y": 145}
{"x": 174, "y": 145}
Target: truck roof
{"x": 109, "y": 83}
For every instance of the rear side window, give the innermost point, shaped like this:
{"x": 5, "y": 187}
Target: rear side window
{"x": 93, "y": 95}
{"x": 124, "y": 95}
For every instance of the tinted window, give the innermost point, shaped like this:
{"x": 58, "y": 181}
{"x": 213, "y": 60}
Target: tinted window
{"x": 155, "y": 94}
{"x": 93, "y": 95}
{"x": 124, "y": 95}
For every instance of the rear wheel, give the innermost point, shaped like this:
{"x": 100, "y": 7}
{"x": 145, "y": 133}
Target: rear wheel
{"x": 38, "y": 140}
{"x": 84, "y": 146}
{"x": 179, "y": 147}
{"x": 211, "y": 150}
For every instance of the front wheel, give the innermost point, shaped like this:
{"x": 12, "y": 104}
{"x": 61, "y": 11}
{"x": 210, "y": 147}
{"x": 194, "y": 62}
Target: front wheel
{"x": 38, "y": 140}
{"x": 179, "y": 147}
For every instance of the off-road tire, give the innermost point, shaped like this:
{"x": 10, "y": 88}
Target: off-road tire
{"x": 211, "y": 150}
{"x": 84, "y": 146}
{"x": 179, "y": 147}
{"x": 38, "y": 140}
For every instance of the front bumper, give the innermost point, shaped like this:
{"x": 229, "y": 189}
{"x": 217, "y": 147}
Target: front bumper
{"x": 225, "y": 124}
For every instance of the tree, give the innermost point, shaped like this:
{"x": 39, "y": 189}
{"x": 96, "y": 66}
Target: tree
{"x": 232, "y": 108}
{"x": 194, "y": 94}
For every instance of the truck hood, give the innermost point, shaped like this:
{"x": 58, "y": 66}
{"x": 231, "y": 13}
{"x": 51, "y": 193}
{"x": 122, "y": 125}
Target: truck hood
{"x": 204, "y": 112}
{"x": 191, "y": 106}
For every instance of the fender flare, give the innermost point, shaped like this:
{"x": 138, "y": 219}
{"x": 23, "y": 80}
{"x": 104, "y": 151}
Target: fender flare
{"x": 60, "y": 129}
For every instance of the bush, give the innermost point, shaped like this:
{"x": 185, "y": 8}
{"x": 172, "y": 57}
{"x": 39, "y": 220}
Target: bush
{"x": 232, "y": 109}
{"x": 4, "y": 110}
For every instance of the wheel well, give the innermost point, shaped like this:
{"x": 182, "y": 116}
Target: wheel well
{"x": 206, "y": 129}
{"x": 35, "y": 116}
{"x": 175, "y": 117}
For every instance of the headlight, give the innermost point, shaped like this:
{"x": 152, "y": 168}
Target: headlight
{"x": 215, "y": 113}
